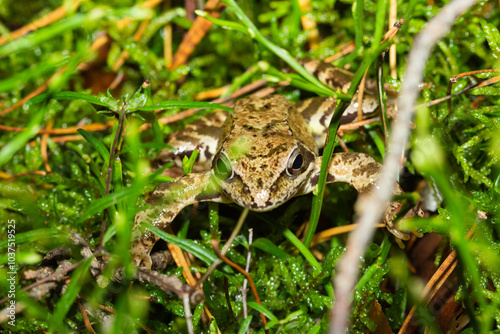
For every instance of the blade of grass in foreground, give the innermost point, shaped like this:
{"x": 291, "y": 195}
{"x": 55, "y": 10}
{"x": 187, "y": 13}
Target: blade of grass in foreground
{"x": 69, "y": 296}
{"x": 185, "y": 104}
{"x": 200, "y": 252}
{"x": 21, "y": 139}
{"x": 96, "y": 144}
{"x": 328, "y": 151}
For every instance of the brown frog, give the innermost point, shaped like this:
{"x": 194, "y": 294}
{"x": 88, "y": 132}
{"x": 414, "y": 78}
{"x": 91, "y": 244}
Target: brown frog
{"x": 266, "y": 153}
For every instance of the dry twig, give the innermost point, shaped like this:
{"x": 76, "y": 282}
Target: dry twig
{"x": 245, "y": 282}
{"x": 373, "y": 210}
{"x": 196, "y": 33}
{"x": 344, "y": 49}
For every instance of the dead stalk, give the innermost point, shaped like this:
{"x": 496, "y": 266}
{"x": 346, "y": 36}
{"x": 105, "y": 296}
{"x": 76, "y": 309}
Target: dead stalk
{"x": 373, "y": 210}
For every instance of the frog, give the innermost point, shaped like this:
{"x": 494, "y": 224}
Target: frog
{"x": 267, "y": 152}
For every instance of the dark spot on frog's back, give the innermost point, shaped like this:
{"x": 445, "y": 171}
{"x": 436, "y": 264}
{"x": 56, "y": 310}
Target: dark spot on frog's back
{"x": 350, "y": 158}
{"x": 370, "y": 169}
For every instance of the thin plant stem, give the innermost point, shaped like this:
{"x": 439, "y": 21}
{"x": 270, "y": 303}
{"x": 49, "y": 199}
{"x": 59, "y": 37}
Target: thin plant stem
{"x": 245, "y": 281}
{"x": 358, "y": 241}
{"x": 110, "y": 170}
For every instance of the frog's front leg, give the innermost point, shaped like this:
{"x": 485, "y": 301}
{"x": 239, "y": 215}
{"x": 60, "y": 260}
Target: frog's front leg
{"x": 361, "y": 172}
{"x": 165, "y": 204}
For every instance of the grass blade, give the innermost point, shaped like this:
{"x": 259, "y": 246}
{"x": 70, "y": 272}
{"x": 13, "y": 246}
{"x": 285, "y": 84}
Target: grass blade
{"x": 22, "y": 138}
{"x": 245, "y": 324}
{"x": 68, "y": 298}
{"x": 68, "y": 96}
{"x": 96, "y": 144}
{"x": 185, "y": 104}
{"x": 262, "y": 309}
{"x": 268, "y": 246}
{"x": 199, "y": 251}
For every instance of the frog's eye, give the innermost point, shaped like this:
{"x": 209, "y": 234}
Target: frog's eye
{"x": 295, "y": 163}
{"x": 222, "y": 167}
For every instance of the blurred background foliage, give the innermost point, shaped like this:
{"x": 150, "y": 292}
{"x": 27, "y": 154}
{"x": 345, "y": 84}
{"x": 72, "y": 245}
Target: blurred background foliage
{"x": 48, "y": 182}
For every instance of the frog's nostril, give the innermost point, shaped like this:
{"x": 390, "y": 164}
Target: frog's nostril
{"x": 246, "y": 189}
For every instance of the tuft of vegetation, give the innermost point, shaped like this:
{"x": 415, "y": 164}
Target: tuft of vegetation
{"x": 90, "y": 93}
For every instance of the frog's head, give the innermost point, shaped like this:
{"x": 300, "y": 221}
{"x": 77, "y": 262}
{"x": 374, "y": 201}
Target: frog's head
{"x": 265, "y": 154}
{"x": 262, "y": 182}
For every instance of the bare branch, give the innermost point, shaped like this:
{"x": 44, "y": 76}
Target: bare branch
{"x": 373, "y": 209}
{"x": 245, "y": 281}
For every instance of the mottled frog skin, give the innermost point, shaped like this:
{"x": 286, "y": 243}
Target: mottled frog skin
{"x": 267, "y": 153}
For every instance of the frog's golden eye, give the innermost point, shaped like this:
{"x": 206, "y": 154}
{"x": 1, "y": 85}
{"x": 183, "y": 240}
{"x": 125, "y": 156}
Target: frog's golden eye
{"x": 295, "y": 163}
{"x": 222, "y": 167}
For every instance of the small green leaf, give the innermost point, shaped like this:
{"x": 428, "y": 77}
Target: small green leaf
{"x": 199, "y": 251}
{"x": 315, "y": 329}
{"x": 67, "y": 96}
{"x": 96, "y": 144}
{"x": 492, "y": 36}
{"x": 225, "y": 24}
{"x": 294, "y": 240}
{"x": 103, "y": 203}
{"x": 245, "y": 324}
{"x": 157, "y": 133}
{"x": 108, "y": 100}
{"x": 142, "y": 99}
{"x": 188, "y": 163}
{"x": 144, "y": 116}
{"x": 268, "y": 246}
{"x": 491, "y": 91}
{"x": 198, "y": 311}
{"x": 262, "y": 309}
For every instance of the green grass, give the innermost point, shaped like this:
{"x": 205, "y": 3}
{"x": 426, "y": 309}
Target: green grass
{"x": 454, "y": 149}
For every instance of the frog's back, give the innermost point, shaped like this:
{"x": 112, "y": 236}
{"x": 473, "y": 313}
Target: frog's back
{"x": 266, "y": 122}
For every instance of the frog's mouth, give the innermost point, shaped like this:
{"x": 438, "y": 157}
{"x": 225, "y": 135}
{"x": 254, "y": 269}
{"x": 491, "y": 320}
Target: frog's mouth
{"x": 267, "y": 207}
{"x": 262, "y": 201}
